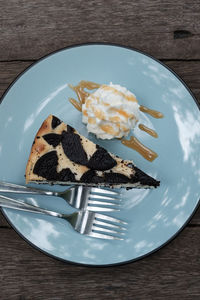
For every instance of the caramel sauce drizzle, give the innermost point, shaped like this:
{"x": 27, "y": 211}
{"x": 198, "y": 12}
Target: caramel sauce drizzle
{"x": 133, "y": 143}
{"x": 81, "y": 93}
{"x": 148, "y": 130}
{"x": 151, "y": 112}
{"x": 76, "y": 104}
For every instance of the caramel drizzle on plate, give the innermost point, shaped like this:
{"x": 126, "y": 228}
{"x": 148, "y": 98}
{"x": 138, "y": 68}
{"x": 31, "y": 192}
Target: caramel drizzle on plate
{"x": 76, "y": 104}
{"x": 154, "y": 113}
{"x": 148, "y": 130}
{"x": 81, "y": 93}
{"x": 133, "y": 143}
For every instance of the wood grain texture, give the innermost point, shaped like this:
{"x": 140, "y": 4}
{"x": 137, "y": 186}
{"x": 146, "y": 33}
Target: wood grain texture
{"x": 31, "y": 29}
{"x": 3, "y": 222}
{"x": 9, "y": 71}
{"x": 171, "y": 272}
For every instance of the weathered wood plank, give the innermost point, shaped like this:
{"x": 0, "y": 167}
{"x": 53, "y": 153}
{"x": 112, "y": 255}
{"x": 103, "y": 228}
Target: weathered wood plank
{"x": 196, "y": 218}
{"x": 28, "y": 274}
{"x": 3, "y": 222}
{"x": 30, "y": 30}
{"x": 9, "y": 71}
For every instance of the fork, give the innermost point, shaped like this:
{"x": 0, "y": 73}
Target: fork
{"x": 84, "y": 222}
{"x": 78, "y": 197}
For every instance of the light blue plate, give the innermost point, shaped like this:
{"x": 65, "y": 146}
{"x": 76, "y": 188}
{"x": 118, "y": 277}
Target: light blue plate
{"x": 154, "y": 216}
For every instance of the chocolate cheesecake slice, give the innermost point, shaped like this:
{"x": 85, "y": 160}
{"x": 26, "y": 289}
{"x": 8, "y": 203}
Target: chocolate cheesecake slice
{"x": 60, "y": 155}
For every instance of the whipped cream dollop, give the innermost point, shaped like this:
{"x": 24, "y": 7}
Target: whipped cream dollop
{"x": 110, "y": 112}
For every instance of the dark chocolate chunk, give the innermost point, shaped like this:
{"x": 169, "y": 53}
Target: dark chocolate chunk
{"x": 66, "y": 175}
{"x": 46, "y": 166}
{"x": 73, "y": 148}
{"x": 55, "y": 122}
{"x": 52, "y": 139}
{"x": 101, "y": 160}
{"x": 91, "y": 177}
{"x": 143, "y": 178}
{"x": 70, "y": 129}
{"x": 116, "y": 178}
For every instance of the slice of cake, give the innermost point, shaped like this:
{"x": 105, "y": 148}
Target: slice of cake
{"x": 60, "y": 155}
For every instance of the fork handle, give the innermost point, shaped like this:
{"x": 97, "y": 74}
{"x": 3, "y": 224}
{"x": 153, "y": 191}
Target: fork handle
{"x": 6, "y": 187}
{"x": 16, "y": 204}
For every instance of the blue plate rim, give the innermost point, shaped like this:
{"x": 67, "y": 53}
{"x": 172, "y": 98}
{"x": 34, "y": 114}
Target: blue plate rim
{"x": 195, "y": 208}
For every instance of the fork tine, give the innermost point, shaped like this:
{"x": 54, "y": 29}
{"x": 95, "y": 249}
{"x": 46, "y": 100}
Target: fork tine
{"x": 105, "y": 198}
{"x": 97, "y": 222}
{"x": 106, "y": 230}
{"x": 110, "y": 219}
{"x": 94, "y": 202}
{"x": 104, "y": 191}
{"x": 104, "y": 236}
{"x": 101, "y": 209}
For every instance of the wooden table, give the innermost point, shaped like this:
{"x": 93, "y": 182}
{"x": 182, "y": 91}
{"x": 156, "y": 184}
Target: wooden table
{"x": 168, "y": 30}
